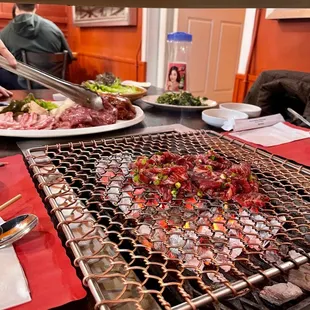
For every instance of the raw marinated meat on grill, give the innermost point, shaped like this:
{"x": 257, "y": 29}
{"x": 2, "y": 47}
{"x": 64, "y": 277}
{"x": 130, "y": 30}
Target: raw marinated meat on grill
{"x": 175, "y": 176}
{"x": 251, "y": 199}
{"x": 211, "y": 159}
{"x": 167, "y": 196}
{"x": 164, "y": 173}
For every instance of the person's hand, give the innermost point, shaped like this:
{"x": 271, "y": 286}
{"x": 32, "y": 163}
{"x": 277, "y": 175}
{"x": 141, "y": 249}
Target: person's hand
{"x": 5, "y": 93}
{"x": 7, "y": 55}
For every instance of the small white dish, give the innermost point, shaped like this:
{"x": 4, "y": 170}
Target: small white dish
{"x": 145, "y": 85}
{"x": 249, "y": 109}
{"x": 217, "y": 117}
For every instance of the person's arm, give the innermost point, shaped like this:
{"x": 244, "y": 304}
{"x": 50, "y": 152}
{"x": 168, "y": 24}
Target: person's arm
{"x": 7, "y": 54}
{"x": 12, "y": 61}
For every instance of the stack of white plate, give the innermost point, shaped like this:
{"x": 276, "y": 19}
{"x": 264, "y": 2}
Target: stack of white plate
{"x": 227, "y": 111}
{"x": 251, "y": 110}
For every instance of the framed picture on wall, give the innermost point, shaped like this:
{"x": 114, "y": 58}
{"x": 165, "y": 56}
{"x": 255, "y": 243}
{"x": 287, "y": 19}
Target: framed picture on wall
{"x": 93, "y": 16}
{"x": 287, "y": 13}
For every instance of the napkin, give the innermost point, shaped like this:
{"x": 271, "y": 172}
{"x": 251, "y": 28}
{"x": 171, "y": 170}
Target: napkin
{"x": 277, "y": 134}
{"x": 14, "y": 289}
{"x": 229, "y": 124}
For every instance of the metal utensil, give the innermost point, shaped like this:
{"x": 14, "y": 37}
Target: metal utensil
{"x": 75, "y": 92}
{"x": 16, "y": 228}
{"x": 297, "y": 115}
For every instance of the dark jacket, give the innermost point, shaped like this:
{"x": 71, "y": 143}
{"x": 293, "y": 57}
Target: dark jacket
{"x": 35, "y": 34}
{"x": 32, "y": 33}
{"x": 275, "y": 91}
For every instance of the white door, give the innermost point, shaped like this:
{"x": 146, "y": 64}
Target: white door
{"x": 217, "y": 35}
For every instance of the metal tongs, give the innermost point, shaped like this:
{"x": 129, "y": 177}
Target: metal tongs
{"x": 75, "y": 92}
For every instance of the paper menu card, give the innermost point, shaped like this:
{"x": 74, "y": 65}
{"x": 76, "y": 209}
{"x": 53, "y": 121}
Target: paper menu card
{"x": 272, "y": 135}
{"x": 14, "y": 289}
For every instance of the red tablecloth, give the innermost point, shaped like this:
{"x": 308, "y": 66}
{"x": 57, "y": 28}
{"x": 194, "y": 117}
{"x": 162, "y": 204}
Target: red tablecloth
{"x": 52, "y": 279}
{"x": 298, "y": 151}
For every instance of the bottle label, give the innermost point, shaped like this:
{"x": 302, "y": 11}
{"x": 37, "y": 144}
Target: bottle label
{"x": 176, "y": 77}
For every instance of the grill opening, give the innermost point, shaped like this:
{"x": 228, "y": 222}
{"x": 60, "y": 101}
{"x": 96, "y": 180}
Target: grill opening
{"x": 183, "y": 249}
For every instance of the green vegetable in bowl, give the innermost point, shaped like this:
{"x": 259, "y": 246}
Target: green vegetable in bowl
{"x": 108, "y": 83}
{"x": 181, "y": 99}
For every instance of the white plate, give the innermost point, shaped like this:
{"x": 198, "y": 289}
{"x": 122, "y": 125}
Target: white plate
{"x": 249, "y": 109}
{"x": 49, "y": 133}
{"x": 145, "y": 85}
{"x": 152, "y": 101}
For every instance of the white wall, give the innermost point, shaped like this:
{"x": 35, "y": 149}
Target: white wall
{"x": 150, "y": 42}
{"x": 246, "y": 39}
{"x": 156, "y": 24}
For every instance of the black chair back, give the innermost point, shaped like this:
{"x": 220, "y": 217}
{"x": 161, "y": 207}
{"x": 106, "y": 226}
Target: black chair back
{"x": 55, "y": 64}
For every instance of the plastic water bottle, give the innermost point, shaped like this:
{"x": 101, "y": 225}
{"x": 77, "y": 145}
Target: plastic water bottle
{"x": 179, "y": 48}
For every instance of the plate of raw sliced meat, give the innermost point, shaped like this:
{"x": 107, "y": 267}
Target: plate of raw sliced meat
{"x": 37, "y": 118}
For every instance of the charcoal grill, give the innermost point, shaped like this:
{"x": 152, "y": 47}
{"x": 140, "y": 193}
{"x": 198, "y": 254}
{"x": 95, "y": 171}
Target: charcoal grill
{"x": 126, "y": 268}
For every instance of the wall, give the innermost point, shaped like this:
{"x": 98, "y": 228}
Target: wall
{"x": 246, "y": 39}
{"x": 55, "y": 13}
{"x": 114, "y": 49}
{"x": 280, "y": 44}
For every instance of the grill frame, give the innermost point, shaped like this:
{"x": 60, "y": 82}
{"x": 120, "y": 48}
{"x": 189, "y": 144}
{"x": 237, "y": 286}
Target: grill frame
{"x": 76, "y": 249}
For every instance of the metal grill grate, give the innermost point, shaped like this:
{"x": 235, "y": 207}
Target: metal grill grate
{"x": 138, "y": 252}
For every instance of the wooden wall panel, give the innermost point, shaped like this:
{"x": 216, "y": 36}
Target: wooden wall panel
{"x": 101, "y": 49}
{"x": 89, "y": 65}
{"x": 242, "y": 87}
{"x": 281, "y": 44}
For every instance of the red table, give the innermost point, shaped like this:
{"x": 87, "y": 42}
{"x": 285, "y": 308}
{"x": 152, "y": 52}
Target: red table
{"x": 52, "y": 278}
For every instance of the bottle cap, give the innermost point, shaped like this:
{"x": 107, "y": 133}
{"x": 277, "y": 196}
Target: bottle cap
{"x": 179, "y": 36}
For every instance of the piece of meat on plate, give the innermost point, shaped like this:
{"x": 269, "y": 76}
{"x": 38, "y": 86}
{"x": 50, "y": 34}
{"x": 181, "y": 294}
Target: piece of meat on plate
{"x": 6, "y": 120}
{"x": 125, "y": 109}
{"x": 78, "y": 117}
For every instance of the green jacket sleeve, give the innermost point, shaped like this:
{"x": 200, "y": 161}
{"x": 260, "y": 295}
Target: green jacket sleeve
{"x": 65, "y": 46}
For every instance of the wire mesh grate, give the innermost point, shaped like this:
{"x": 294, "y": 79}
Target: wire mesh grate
{"x": 138, "y": 251}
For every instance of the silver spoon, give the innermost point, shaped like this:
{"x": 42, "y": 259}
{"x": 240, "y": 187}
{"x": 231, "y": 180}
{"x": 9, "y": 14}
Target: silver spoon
{"x": 16, "y": 228}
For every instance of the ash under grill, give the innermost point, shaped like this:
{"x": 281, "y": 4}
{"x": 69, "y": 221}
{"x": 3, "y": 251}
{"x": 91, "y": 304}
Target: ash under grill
{"x": 139, "y": 251}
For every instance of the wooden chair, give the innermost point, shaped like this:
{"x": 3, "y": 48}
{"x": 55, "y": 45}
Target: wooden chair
{"x": 55, "y": 64}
